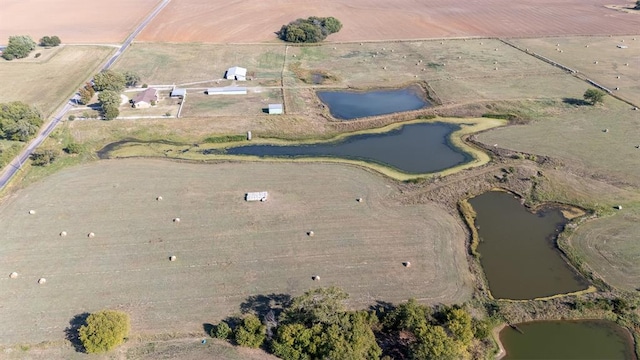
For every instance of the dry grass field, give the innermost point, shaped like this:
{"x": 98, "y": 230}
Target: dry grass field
{"x": 227, "y": 249}
{"x": 254, "y": 103}
{"x": 48, "y": 83}
{"x": 74, "y": 21}
{"x": 256, "y": 21}
{"x": 615, "y": 67}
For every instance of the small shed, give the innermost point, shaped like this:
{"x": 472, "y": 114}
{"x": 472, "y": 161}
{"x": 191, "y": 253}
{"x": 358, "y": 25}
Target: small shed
{"x": 256, "y": 196}
{"x": 145, "y": 99}
{"x": 179, "y": 93}
{"x": 236, "y": 73}
{"x": 230, "y": 90}
{"x": 275, "y": 109}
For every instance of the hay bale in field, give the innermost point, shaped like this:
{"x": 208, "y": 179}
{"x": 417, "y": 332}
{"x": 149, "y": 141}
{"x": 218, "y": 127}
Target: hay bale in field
{"x": 496, "y": 49}
{"x": 176, "y": 220}
{"x": 618, "y": 77}
{"x": 315, "y": 278}
{"x": 42, "y": 281}
{"x": 310, "y": 233}
{"x": 495, "y": 68}
{"x": 459, "y": 57}
{"x": 617, "y": 88}
{"x": 359, "y": 199}
{"x": 618, "y": 207}
{"x": 172, "y": 258}
{"x": 63, "y": 233}
{"x": 159, "y": 198}
{"x": 13, "y": 275}
{"x": 32, "y": 212}
{"x": 595, "y": 62}
{"x": 90, "y": 235}
{"x": 404, "y": 56}
{"x": 481, "y": 43}
{"x": 605, "y": 130}
{"x": 406, "y": 264}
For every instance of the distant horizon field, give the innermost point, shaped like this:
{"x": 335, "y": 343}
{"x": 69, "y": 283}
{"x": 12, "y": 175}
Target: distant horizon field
{"x": 227, "y": 249}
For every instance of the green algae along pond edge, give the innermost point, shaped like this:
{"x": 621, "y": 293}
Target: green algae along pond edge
{"x": 215, "y": 151}
{"x": 569, "y": 212}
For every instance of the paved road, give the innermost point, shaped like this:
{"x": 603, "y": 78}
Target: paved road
{"x": 14, "y": 166}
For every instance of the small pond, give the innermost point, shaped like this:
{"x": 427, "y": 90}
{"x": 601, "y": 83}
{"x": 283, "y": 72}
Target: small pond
{"x": 518, "y": 251}
{"x": 348, "y": 105}
{"x": 415, "y": 148}
{"x": 585, "y": 339}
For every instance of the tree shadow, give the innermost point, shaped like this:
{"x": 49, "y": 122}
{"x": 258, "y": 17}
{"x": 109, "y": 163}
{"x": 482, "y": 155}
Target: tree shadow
{"x": 381, "y": 308}
{"x": 71, "y": 332}
{"x": 208, "y": 328}
{"x": 262, "y": 304}
{"x": 575, "y": 102}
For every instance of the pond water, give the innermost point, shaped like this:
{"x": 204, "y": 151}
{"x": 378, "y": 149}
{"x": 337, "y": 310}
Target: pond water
{"x": 518, "y": 251}
{"x": 585, "y": 339}
{"x": 348, "y": 105}
{"x": 415, "y": 148}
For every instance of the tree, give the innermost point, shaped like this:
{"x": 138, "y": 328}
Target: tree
{"x": 43, "y": 157}
{"x": 109, "y": 102}
{"x": 322, "y": 305}
{"x": 296, "y": 342}
{"x": 85, "y": 95}
{"x": 251, "y": 333}
{"x": 18, "y": 47}
{"x": 131, "y": 78}
{"x": 110, "y": 112}
{"x": 594, "y": 96}
{"x": 332, "y": 24}
{"x": 221, "y": 331}
{"x": 109, "y": 80}
{"x": 104, "y": 331}
{"x": 434, "y": 343}
{"x": 50, "y": 41}
{"x": 458, "y": 322}
{"x": 408, "y": 316}
{"x": 18, "y": 121}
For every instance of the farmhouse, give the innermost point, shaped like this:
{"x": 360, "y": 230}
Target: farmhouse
{"x": 231, "y": 90}
{"x": 275, "y": 108}
{"x": 236, "y": 73}
{"x": 256, "y": 196}
{"x": 179, "y": 93}
{"x": 145, "y": 99}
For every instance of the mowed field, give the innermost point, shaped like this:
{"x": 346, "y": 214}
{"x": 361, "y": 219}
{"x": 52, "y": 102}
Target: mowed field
{"x": 227, "y": 249}
{"x": 257, "y": 21}
{"x": 74, "y": 21}
{"x": 47, "y": 83}
{"x": 598, "y": 58}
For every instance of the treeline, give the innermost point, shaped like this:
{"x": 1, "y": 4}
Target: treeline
{"x": 18, "y": 121}
{"x": 20, "y": 46}
{"x": 311, "y": 30}
{"x": 316, "y": 325}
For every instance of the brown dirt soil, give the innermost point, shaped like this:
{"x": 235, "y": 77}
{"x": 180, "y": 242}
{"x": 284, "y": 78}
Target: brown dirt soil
{"x": 227, "y": 249}
{"x": 256, "y": 20}
{"x": 74, "y": 21}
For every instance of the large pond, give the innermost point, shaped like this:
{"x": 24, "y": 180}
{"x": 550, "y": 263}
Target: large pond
{"x": 587, "y": 339}
{"x": 347, "y": 105}
{"x": 518, "y": 249}
{"x": 415, "y": 148}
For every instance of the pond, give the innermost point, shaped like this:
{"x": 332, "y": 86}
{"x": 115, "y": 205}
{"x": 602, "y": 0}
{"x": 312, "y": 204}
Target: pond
{"x": 585, "y": 339}
{"x": 518, "y": 249}
{"x": 348, "y": 105}
{"x": 414, "y": 148}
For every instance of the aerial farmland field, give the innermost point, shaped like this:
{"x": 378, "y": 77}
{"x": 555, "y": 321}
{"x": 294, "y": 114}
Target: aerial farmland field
{"x": 227, "y": 249}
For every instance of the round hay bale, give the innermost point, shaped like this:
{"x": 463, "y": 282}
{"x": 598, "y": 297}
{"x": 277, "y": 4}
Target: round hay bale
{"x": 406, "y": 264}
{"x": 561, "y": 51}
{"x": 586, "y": 46}
{"x": 32, "y": 212}
{"x": 159, "y": 198}
{"x": 359, "y": 199}
{"x": 595, "y": 62}
{"x": 459, "y": 57}
{"x": 63, "y": 233}
{"x": 360, "y": 44}
{"x": 176, "y": 220}
{"x": 617, "y": 88}
{"x": 618, "y": 207}
{"x": 404, "y": 56}
{"x": 172, "y": 258}
{"x": 42, "y": 281}
{"x": 415, "y": 76}
{"x": 618, "y": 77}
{"x": 441, "y": 42}
{"x": 495, "y": 62}
{"x": 310, "y": 233}
{"x": 480, "y": 43}
{"x": 13, "y": 275}
{"x": 605, "y": 130}
{"x": 315, "y": 278}
{"x": 495, "y": 68}
{"x": 384, "y": 68}
{"x": 91, "y": 235}
{"x": 496, "y": 49}
{"x": 626, "y": 64}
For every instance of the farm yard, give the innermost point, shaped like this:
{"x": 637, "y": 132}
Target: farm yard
{"x": 74, "y": 21}
{"x": 227, "y": 249}
{"x": 200, "y": 20}
{"x": 47, "y": 81}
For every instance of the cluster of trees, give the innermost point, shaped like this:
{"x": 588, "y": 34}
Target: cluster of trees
{"x": 316, "y": 325}
{"x": 104, "y": 330}
{"x": 311, "y": 30}
{"x": 109, "y": 83}
{"x": 50, "y": 41}
{"x": 19, "y": 46}
{"x": 18, "y": 121}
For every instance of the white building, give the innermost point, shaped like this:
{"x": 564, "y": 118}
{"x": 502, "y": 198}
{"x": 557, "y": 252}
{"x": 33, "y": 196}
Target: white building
{"x": 231, "y": 90}
{"x": 275, "y": 109}
{"x": 256, "y": 196}
{"x": 178, "y": 92}
{"x": 236, "y": 73}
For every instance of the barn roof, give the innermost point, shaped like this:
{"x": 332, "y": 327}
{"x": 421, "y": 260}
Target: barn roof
{"x": 178, "y": 92}
{"x": 237, "y": 71}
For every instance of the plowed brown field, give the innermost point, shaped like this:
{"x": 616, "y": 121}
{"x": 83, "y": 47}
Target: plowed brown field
{"x": 74, "y": 21}
{"x": 257, "y": 20}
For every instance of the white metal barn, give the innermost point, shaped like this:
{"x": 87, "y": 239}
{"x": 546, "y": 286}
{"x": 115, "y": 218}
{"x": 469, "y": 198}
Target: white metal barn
{"x": 231, "y": 90}
{"x": 236, "y": 73}
{"x": 275, "y": 109}
{"x": 256, "y": 196}
{"x": 178, "y": 92}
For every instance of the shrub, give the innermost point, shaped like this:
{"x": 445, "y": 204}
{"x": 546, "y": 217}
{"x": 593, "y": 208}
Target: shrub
{"x": 221, "y": 331}
{"x": 43, "y": 157}
{"x": 72, "y": 117}
{"x": 251, "y": 333}
{"x": 104, "y": 330}
{"x": 49, "y": 41}
{"x": 37, "y": 55}
{"x": 73, "y": 148}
